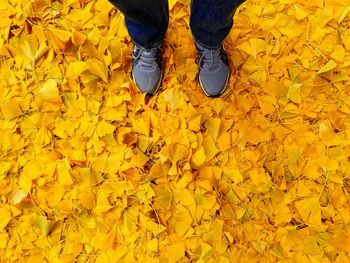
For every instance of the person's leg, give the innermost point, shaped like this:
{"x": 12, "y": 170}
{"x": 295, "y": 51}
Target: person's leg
{"x": 212, "y": 20}
{"x": 146, "y": 20}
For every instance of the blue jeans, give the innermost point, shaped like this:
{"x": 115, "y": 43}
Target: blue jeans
{"x": 147, "y": 20}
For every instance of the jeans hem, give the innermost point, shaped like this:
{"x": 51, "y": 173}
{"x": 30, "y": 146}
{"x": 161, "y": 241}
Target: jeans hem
{"x": 149, "y": 46}
{"x": 207, "y": 46}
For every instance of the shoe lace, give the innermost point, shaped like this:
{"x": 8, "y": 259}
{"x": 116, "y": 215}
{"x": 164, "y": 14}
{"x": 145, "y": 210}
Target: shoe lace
{"x": 210, "y": 58}
{"x": 148, "y": 58}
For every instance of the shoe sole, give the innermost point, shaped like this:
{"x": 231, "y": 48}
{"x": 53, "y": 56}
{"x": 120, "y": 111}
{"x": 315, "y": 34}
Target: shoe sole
{"x": 159, "y": 84}
{"x": 222, "y": 92}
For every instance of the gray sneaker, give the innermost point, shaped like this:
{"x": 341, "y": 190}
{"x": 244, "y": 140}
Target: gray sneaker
{"x": 147, "y": 69}
{"x": 214, "y": 70}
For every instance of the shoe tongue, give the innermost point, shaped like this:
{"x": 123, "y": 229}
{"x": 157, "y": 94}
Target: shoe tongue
{"x": 211, "y": 55}
{"x": 148, "y": 59}
{"x": 148, "y": 54}
{"x": 212, "y": 59}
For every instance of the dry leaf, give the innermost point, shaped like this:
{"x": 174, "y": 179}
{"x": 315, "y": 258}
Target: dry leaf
{"x": 92, "y": 170}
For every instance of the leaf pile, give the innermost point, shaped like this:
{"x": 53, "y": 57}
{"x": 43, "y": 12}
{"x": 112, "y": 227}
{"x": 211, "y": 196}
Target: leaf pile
{"x": 93, "y": 171}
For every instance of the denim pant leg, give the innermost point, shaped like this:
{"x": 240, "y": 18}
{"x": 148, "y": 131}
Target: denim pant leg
{"x": 212, "y": 20}
{"x": 146, "y": 20}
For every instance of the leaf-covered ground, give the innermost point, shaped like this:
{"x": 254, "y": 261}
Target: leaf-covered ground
{"x": 93, "y": 171}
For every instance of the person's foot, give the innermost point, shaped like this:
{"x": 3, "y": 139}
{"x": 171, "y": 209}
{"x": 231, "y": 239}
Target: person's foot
{"x": 147, "y": 69}
{"x": 214, "y": 70}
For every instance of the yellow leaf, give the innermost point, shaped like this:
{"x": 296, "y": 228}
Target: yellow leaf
{"x": 78, "y": 38}
{"x": 195, "y": 122}
{"x": 104, "y": 241}
{"x": 331, "y": 64}
{"x": 186, "y": 198}
{"x": 239, "y": 211}
{"x": 294, "y": 152}
{"x": 97, "y": 68}
{"x": 191, "y": 68}
{"x": 346, "y": 41}
{"x": 32, "y": 170}
{"x": 173, "y": 152}
{"x": 300, "y": 13}
{"x": 172, "y": 3}
{"x": 112, "y": 255}
{"x": 56, "y": 37}
{"x": 25, "y": 183}
{"x": 253, "y": 47}
{"x": 62, "y": 35}
{"x": 294, "y": 93}
{"x": 224, "y": 141}
{"x": 252, "y": 134}
{"x": 228, "y": 236}
{"x": 199, "y": 157}
{"x": 344, "y": 14}
{"x": 163, "y": 199}
{"x": 11, "y": 109}
{"x": 181, "y": 221}
{"x": 205, "y": 250}
{"x": 145, "y": 192}
{"x": 128, "y": 224}
{"x": 94, "y": 36}
{"x": 104, "y": 128}
{"x": 269, "y": 10}
{"x": 18, "y": 196}
{"x": 44, "y": 225}
{"x": 4, "y": 168}
{"x": 41, "y": 51}
{"x": 175, "y": 252}
{"x": 342, "y": 241}
{"x": 303, "y": 190}
{"x": 260, "y": 180}
{"x": 49, "y": 90}
{"x": 139, "y": 159}
{"x": 42, "y": 137}
{"x": 152, "y": 245}
{"x": 266, "y": 104}
{"x": 4, "y": 237}
{"x": 154, "y": 228}
{"x": 122, "y": 31}
{"x": 338, "y": 54}
{"x": 309, "y": 210}
{"x": 233, "y": 173}
{"x": 142, "y": 125}
{"x": 210, "y": 148}
{"x": 5, "y": 217}
{"x": 102, "y": 203}
{"x": 29, "y": 49}
{"x": 76, "y": 68}
{"x": 282, "y": 214}
{"x": 215, "y": 128}
{"x": 63, "y": 172}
